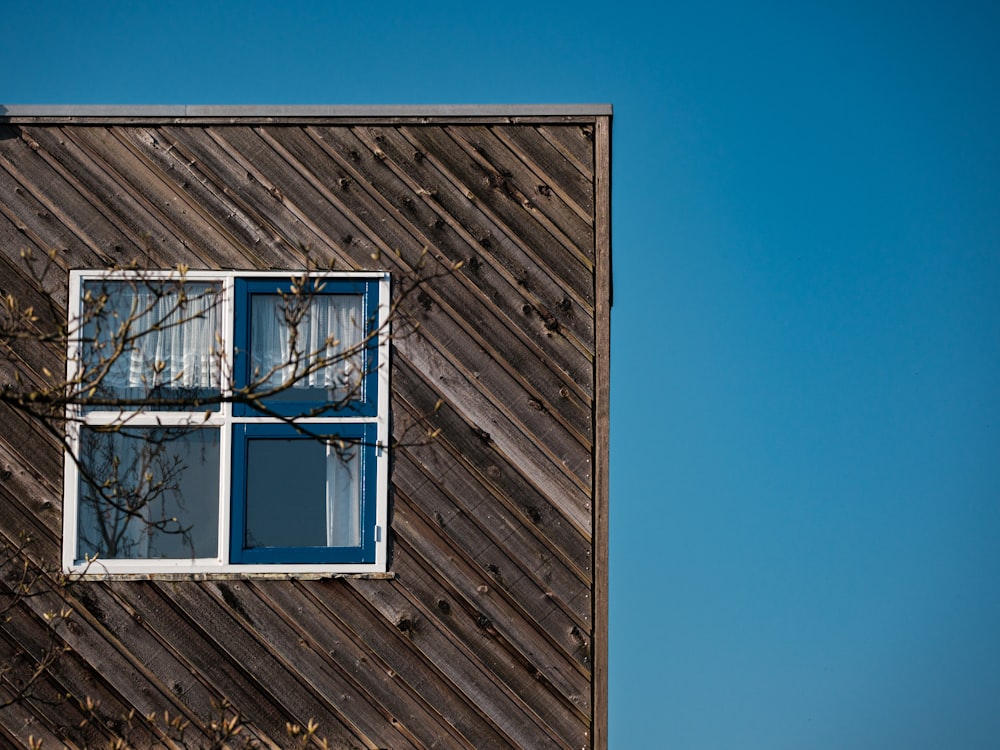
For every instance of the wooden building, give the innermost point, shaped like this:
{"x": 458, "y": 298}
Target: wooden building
{"x": 486, "y": 624}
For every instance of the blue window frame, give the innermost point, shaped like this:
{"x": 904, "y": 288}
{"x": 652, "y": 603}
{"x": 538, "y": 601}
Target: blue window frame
{"x": 345, "y": 386}
{"x": 303, "y": 497}
{"x": 296, "y": 478}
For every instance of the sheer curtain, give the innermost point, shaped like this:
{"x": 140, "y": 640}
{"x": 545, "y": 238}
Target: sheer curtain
{"x": 167, "y": 340}
{"x": 343, "y": 497}
{"x": 329, "y": 337}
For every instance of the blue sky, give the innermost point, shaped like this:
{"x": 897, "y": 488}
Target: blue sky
{"x": 806, "y": 331}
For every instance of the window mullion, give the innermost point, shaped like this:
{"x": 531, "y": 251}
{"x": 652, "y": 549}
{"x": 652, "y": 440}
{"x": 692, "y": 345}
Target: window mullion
{"x": 228, "y": 381}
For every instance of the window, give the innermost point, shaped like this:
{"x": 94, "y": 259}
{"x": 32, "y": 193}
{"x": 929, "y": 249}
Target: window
{"x": 227, "y": 423}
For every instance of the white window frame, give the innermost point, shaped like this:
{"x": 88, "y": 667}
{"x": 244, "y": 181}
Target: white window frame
{"x": 223, "y": 419}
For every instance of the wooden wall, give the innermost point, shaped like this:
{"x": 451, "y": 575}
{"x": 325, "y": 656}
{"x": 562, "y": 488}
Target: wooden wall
{"x": 491, "y": 630}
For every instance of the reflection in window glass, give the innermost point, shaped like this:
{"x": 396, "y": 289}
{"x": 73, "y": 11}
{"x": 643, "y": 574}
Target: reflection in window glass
{"x": 302, "y": 493}
{"x": 149, "y": 340}
{"x": 149, "y": 493}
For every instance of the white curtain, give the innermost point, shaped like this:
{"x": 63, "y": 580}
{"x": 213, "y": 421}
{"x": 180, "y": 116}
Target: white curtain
{"x": 174, "y": 340}
{"x": 328, "y": 337}
{"x": 343, "y": 496}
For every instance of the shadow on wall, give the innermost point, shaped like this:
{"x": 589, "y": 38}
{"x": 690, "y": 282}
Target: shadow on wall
{"x": 7, "y": 133}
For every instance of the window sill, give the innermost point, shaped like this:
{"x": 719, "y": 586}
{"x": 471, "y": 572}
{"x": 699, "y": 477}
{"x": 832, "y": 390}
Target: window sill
{"x": 227, "y": 576}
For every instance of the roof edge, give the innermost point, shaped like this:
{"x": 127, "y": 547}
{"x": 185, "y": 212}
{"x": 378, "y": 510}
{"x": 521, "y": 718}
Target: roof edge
{"x": 305, "y": 110}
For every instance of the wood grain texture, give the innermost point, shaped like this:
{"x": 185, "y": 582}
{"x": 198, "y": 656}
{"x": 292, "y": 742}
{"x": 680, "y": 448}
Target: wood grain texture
{"x": 602, "y": 416}
{"x": 491, "y": 631}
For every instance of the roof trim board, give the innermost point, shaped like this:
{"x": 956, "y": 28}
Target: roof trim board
{"x": 309, "y": 110}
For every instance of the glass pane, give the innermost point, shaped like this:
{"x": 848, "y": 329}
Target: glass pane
{"x": 312, "y": 345}
{"x": 147, "y": 341}
{"x": 149, "y": 493}
{"x": 302, "y": 493}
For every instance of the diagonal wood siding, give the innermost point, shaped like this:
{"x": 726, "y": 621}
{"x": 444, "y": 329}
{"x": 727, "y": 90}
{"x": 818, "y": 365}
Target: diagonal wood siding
{"x": 485, "y": 636}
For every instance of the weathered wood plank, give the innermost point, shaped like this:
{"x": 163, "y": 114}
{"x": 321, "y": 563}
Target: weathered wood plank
{"x": 391, "y": 639}
{"x": 33, "y": 501}
{"x": 491, "y": 188}
{"x": 294, "y": 648}
{"x": 120, "y": 681}
{"x": 45, "y": 374}
{"x": 72, "y": 202}
{"x": 520, "y": 424}
{"x": 252, "y": 202}
{"x": 403, "y": 705}
{"x": 538, "y": 579}
{"x": 86, "y": 160}
{"x": 294, "y": 202}
{"x": 535, "y": 398}
{"x": 182, "y": 633}
{"x": 19, "y": 277}
{"x": 476, "y": 447}
{"x": 20, "y": 724}
{"x": 519, "y": 518}
{"x": 216, "y": 219}
{"x": 425, "y": 632}
{"x": 37, "y": 540}
{"x": 489, "y": 622}
{"x": 412, "y": 204}
{"x": 15, "y": 236}
{"x": 250, "y": 653}
{"x": 130, "y": 194}
{"x": 527, "y": 678}
{"x": 260, "y": 204}
{"x": 25, "y": 253}
{"x": 563, "y": 175}
{"x": 36, "y": 447}
{"x": 30, "y": 192}
{"x": 177, "y": 196}
{"x": 512, "y": 502}
{"x": 460, "y": 189}
{"x": 523, "y": 182}
{"x": 495, "y": 242}
{"x": 381, "y": 188}
{"x": 576, "y": 142}
{"x": 602, "y": 417}
{"x": 192, "y": 696}
{"x": 41, "y": 708}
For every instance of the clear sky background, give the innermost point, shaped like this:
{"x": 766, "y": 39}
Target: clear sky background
{"x": 806, "y": 332}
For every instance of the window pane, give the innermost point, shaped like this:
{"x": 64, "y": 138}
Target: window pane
{"x": 302, "y": 493}
{"x": 151, "y": 340}
{"x": 149, "y": 493}
{"x": 311, "y": 343}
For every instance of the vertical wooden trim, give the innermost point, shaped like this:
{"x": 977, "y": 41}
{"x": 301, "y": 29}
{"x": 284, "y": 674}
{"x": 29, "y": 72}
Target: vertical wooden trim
{"x": 602, "y": 421}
